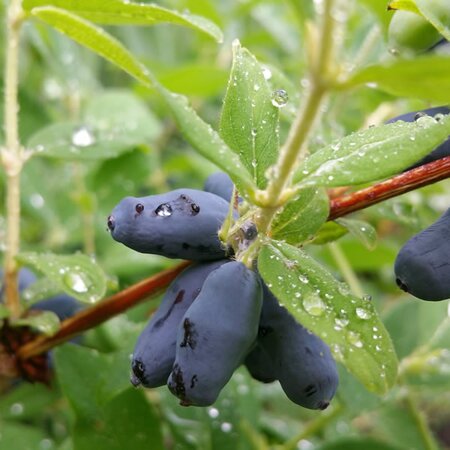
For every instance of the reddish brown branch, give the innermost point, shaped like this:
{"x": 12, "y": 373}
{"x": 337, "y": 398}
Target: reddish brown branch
{"x": 108, "y": 308}
{"x": 400, "y": 184}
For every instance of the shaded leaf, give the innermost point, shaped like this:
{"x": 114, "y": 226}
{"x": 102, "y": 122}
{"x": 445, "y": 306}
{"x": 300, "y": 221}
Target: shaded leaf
{"x": 374, "y": 153}
{"x": 122, "y": 12}
{"x": 349, "y": 324}
{"x": 302, "y": 217}
{"x": 361, "y": 230}
{"x": 329, "y": 232}
{"x": 249, "y": 121}
{"x": 77, "y": 275}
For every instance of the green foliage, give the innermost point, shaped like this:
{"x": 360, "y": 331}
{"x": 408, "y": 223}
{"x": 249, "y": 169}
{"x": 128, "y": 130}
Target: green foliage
{"x": 77, "y": 275}
{"x": 128, "y": 146}
{"x": 348, "y": 324}
{"x": 374, "y": 153}
{"x": 249, "y": 121}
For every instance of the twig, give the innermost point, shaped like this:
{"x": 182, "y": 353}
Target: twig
{"x": 108, "y": 308}
{"x": 400, "y": 184}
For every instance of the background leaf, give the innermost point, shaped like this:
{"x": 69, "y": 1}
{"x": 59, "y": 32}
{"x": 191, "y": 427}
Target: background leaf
{"x": 348, "y": 324}
{"x": 394, "y": 77}
{"x": 111, "y": 124}
{"x": 249, "y": 120}
{"x": 92, "y": 37}
{"x": 77, "y": 275}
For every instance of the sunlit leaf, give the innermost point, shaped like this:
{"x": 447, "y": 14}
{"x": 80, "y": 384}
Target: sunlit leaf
{"x": 348, "y": 324}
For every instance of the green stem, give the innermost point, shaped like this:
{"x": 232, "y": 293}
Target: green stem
{"x": 313, "y": 427}
{"x": 429, "y": 442}
{"x": 294, "y": 149}
{"x": 12, "y": 158}
{"x": 346, "y": 269}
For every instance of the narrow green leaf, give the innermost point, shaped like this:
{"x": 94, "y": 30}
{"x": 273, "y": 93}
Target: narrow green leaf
{"x": 207, "y": 141}
{"x": 405, "y": 5}
{"x": 77, "y": 275}
{"x": 302, "y": 217}
{"x": 329, "y": 232}
{"x": 122, "y": 12}
{"x": 437, "y": 13}
{"x": 348, "y": 324}
{"x": 374, "y": 153}
{"x": 361, "y": 230}
{"x": 94, "y": 38}
{"x": 431, "y": 80}
{"x": 47, "y": 322}
{"x": 249, "y": 121}
{"x": 113, "y": 122}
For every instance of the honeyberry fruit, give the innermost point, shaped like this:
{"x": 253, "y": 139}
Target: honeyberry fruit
{"x": 216, "y": 333}
{"x": 422, "y": 266}
{"x": 154, "y": 353}
{"x": 178, "y": 224}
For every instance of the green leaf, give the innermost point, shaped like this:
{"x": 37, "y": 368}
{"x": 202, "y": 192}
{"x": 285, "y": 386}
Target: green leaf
{"x": 40, "y": 289}
{"x": 94, "y": 38}
{"x": 431, "y": 79}
{"x": 374, "y": 153}
{"x": 47, "y": 322}
{"x": 77, "y": 275}
{"x": 348, "y": 324}
{"x": 122, "y": 12}
{"x": 437, "y": 13}
{"x": 207, "y": 141}
{"x": 128, "y": 423}
{"x": 21, "y": 436}
{"x": 361, "y": 230}
{"x": 302, "y": 217}
{"x": 111, "y": 124}
{"x": 405, "y": 5}
{"x": 90, "y": 379}
{"x": 4, "y": 311}
{"x": 329, "y": 232}
{"x": 249, "y": 121}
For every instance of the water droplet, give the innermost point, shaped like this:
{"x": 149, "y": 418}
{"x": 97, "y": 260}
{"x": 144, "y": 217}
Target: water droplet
{"x": 354, "y": 339}
{"x": 341, "y": 321}
{"x": 213, "y": 413}
{"x": 163, "y": 210}
{"x": 83, "y": 137}
{"x": 256, "y": 87}
{"x": 76, "y": 281}
{"x": 36, "y": 200}
{"x": 367, "y": 298}
{"x": 267, "y": 73}
{"x": 303, "y": 279}
{"x": 363, "y": 313}
{"x": 439, "y": 116}
{"x": 426, "y": 121}
{"x": 314, "y": 305}
{"x": 16, "y": 409}
{"x": 226, "y": 427}
{"x": 279, "y": 98}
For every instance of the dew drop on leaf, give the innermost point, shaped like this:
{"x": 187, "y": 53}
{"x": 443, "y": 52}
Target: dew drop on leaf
{"x": 279, "y": 98}
{"x": 78, "y": 282}
{"x": 363, "y": 313}
{"x": 314, "y": 305}
{"x": 83, "y": 137}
